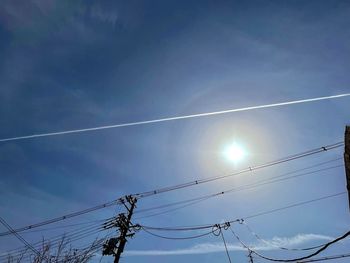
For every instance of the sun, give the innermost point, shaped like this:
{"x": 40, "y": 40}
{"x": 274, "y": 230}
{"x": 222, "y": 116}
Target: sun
{"x": 234, "y": 152}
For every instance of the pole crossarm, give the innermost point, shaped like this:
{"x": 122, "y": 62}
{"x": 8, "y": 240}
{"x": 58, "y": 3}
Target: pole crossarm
{"x": 115, "y": 246}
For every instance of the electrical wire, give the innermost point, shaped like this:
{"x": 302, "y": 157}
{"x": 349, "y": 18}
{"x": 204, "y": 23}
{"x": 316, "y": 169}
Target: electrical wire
{"x": 2, "y": 221}
{"x": 271, "y": 180}
{"x": 93, "y": 222}
{"x": 177, "y": 203}
{"x": 86, "y": 250}
{"x": 253, "y": 233}
{"x": 246, "y": 170}
{"x": 176, "y": 238}
{"x": 206, "y": 226}
{"x": 171, "y": 210}
{"x": 72, "y": 233}
{"x": 67, "y": 216}
{"x": 54, "y": 245}
{"x": 176, "y": 187}
{"x": 91, "y": 249}
{"x": 294, "y": 205}
{"x": 58, "y": 238}
{"x": 326, "y": 258}
{"x": 183, "y": 228}
{"x": 324, "y": 247}
{"x": 277, "y": 179}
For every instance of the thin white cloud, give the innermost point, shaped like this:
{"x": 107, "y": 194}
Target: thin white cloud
{"x": 298, "y": 240}
{"x": 215, "y": 247}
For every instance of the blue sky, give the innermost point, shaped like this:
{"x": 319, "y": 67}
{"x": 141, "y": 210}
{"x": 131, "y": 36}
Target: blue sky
{"x": 70, "y": 65}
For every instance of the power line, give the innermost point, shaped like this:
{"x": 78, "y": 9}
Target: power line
{"x": 57, "y": 219}
{"x": 207, "y": 226}
{"x": 253, "y": 233}
{"x": 2, "y": 221}
{"x": 173, "y": 118}
{"x": 324, "y": 247}
{"x": 176, "y": 238}
{"x": 216, "y": 229}
{"x": 176, "y": 187}
{"x": 93, "y": 222}
{"x": 246, "y": 170}
{"x": 94, "y": 227}
{"x": 274, "y": 179}
{"x": 326, "y": 258}
{"x": 201, "y": 198}
{"x": 173, "y": 209}
{"x": 293, "y": 205}
{"x": 180, "y": 228}
{"x": 57, "y": 243}
{"x": 58, "y": 238}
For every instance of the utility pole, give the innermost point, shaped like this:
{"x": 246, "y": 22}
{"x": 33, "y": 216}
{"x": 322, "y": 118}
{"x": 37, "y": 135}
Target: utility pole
{"x": 347, "y": 159}
{"x": 115, "y": 246}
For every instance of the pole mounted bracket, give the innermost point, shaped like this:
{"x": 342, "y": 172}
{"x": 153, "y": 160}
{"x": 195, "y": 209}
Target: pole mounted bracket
{"x": 115, "y": 246}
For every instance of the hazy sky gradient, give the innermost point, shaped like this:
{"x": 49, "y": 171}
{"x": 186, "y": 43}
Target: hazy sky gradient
{"x": 68, "y": 65}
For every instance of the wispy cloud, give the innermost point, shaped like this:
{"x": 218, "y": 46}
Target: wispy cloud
{"x": 215, "y": 247}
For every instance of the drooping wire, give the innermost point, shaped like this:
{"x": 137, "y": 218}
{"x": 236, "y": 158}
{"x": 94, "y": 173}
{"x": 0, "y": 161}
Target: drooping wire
{"x": 184, "y": 228}
{"x": 176, "y": 238}
{"x": 326, "y": 258}
{"x": 253, "y": 233}
{"x": 324, "y": 247}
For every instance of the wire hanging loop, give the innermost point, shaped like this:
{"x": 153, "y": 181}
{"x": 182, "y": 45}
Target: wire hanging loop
{"x": 136, "y": 227}
{"x": 226, "y": 225}
{"x": 216, "y": 230}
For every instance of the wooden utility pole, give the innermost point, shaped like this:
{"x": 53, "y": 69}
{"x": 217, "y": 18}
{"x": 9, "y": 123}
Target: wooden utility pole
{"x": 123, "y": 223}
{"x": 347, "y": 159}
{"x": 124, "y": 228}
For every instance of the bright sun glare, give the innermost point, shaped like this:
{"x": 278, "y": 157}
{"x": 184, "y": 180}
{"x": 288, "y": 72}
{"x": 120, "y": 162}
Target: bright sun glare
{"x": 235, "y": 152}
